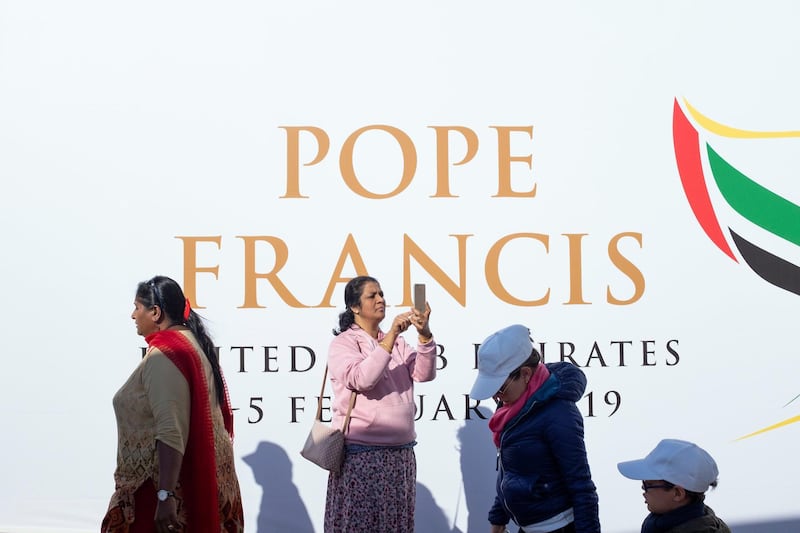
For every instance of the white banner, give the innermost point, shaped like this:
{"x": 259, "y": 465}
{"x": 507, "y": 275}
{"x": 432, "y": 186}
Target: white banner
{"x": 621, "y": 177}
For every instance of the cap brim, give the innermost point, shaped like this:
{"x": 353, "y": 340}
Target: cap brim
{"x": 638, "y": 470}
{"x": 485, "y": 387}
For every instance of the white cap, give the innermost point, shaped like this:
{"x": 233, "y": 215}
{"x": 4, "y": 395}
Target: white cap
{"x": 679, "y": 462}
{"x": 499, "y": 355}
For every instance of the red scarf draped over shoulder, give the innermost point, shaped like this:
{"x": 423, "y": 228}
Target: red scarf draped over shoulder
{"x": 198, "y": 476}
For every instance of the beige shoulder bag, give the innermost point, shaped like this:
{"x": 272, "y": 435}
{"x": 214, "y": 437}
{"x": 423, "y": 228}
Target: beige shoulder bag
{"x": 325, "y": 445}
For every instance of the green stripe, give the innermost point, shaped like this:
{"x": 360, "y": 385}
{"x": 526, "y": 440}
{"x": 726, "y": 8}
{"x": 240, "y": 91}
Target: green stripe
{"x": 754, "y": 202}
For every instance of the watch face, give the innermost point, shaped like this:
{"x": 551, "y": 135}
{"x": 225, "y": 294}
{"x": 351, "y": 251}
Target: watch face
{"x": 163, "y": 495}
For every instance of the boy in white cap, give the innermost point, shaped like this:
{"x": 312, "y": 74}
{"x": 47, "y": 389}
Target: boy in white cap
{"x": 543, "y": 480}
{"x": 675, "y": 477}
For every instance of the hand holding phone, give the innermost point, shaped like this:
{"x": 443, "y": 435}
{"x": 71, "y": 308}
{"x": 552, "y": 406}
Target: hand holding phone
{"x": 419, "y": 297}
{"x": 422, "y": 312}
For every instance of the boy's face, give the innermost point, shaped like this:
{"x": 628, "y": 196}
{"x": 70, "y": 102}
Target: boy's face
{"x": 662, "y": 497}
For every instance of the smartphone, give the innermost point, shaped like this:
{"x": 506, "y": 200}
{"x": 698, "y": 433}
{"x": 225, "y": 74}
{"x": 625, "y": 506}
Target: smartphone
{"x": 419, "y": 297}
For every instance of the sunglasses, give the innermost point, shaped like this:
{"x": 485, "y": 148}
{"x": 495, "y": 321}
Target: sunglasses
{"x": 646, "y": 487}
{"x": 156, "y": 295}
{"x": 509, "y": 380}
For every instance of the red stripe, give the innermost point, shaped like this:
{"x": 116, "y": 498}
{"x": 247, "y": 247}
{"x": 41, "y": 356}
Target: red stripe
{"x": 690, "y": 168}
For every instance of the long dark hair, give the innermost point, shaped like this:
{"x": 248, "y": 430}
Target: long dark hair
{"x": 352, "y": 298}
{"x": 168, "y": 295}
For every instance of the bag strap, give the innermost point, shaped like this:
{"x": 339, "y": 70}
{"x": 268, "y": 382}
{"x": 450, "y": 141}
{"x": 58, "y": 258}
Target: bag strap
{"x": 346, "y": 424}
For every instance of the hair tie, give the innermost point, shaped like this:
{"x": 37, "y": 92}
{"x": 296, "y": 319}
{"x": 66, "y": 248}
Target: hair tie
{"x": 187, "y": 309}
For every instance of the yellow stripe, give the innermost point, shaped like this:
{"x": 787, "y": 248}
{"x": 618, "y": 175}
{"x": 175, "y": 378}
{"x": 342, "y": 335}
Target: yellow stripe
{"x": 727, "y": 131}
{"x": 773, "y": 426}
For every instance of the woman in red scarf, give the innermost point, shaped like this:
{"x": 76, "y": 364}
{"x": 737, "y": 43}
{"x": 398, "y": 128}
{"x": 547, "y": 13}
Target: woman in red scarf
{"x": 175, "y": 464}
{"x": 544, "y": 484}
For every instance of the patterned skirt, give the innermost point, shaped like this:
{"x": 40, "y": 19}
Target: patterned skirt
{"x": 374, "y": 493}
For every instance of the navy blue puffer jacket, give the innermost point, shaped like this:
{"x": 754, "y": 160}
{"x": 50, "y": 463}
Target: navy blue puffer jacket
{"x": 543, "y": 468}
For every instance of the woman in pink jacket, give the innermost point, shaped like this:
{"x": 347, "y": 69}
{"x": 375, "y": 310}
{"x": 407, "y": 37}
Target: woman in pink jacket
{"x": 376, "y": 488}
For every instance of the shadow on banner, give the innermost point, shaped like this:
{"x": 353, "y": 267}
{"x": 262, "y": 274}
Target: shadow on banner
{"x": 478, "y": 459}
{"x": 282, "y": 509}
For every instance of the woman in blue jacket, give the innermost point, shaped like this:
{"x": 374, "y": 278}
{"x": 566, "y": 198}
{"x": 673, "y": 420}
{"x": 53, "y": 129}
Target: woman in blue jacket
{"x": 543, "y": 482}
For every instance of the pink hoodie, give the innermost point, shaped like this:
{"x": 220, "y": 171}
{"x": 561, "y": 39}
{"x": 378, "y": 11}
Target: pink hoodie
{"x": 384, "y": 411}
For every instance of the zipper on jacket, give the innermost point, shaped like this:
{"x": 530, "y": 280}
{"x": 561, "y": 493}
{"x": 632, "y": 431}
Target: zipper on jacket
{"x": 519, "y": 417}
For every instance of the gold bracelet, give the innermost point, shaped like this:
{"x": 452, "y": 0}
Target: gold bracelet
{"x": 382, "y": 345}
{"x": 423, "y": 340}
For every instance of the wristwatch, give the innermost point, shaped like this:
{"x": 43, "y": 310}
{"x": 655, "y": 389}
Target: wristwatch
{"x": 164, "y": 494}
